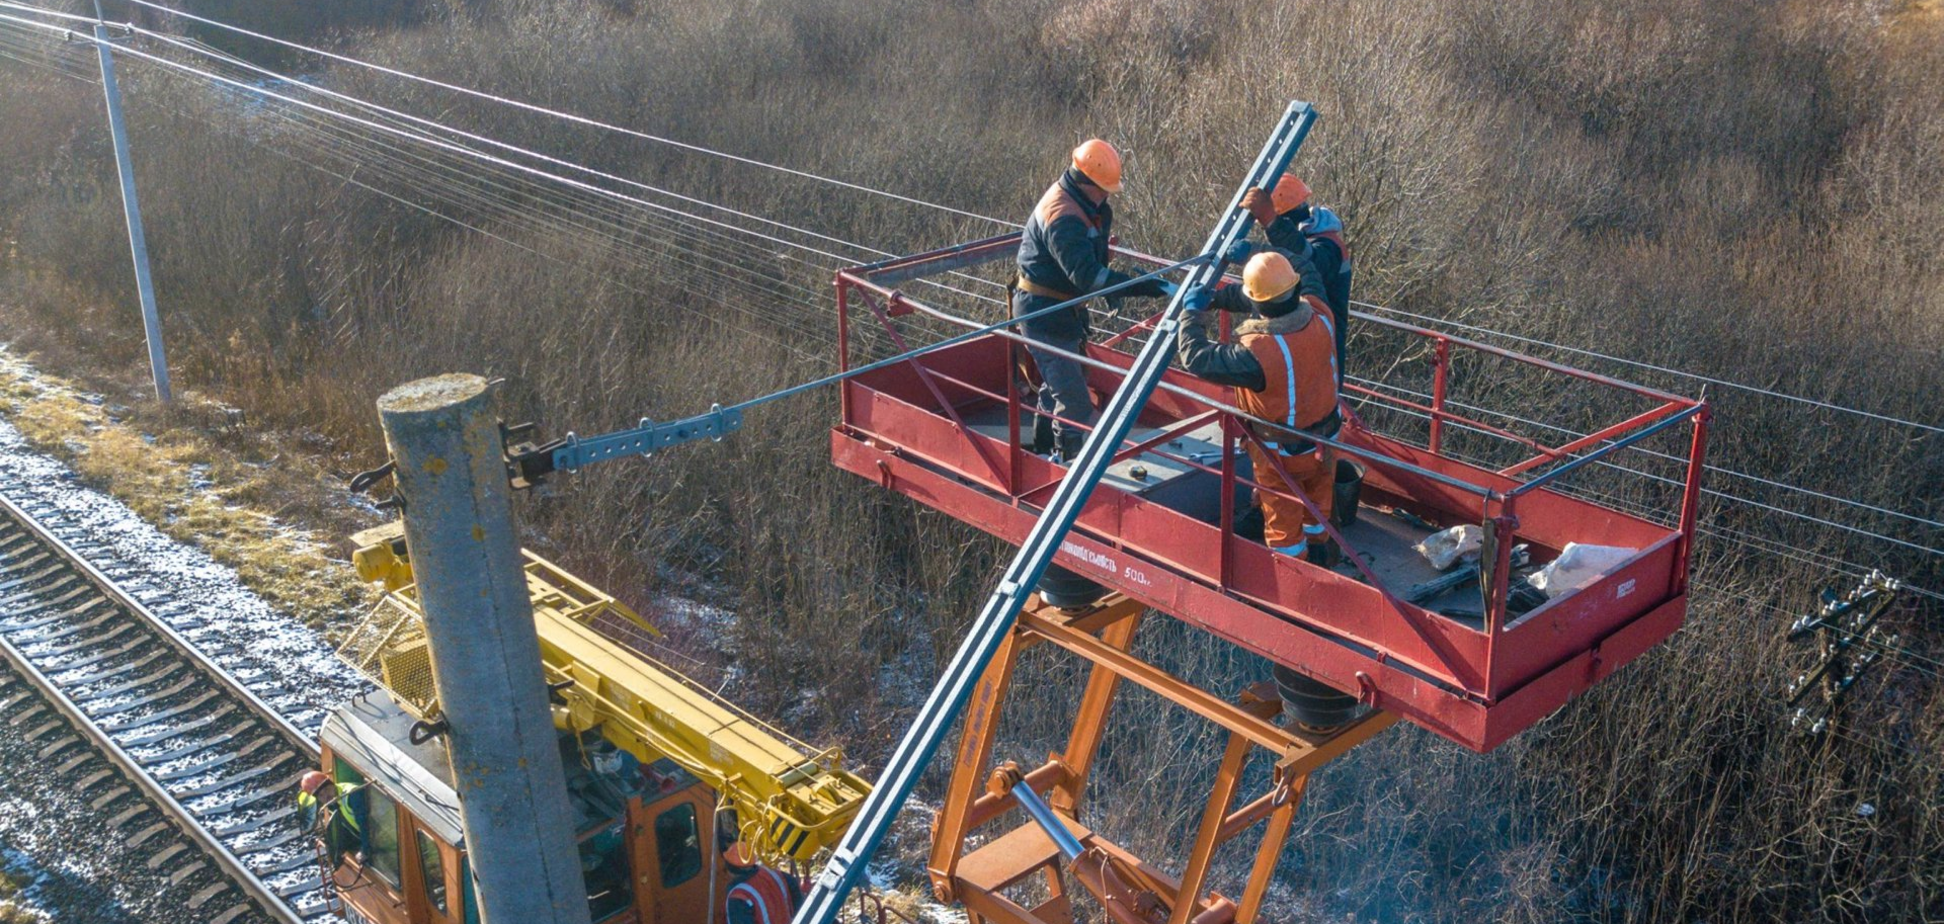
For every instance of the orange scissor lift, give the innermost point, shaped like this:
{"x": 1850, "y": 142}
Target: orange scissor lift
{"x": 1158, "y": 534}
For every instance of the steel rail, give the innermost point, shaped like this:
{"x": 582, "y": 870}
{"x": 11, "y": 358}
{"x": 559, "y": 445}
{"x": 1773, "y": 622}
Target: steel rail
{"x": 108, "y": 588}
{"x": 184, "y": 821}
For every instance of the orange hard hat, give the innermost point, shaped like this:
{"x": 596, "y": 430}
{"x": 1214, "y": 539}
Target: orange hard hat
{"x": 737, "y": 854}
{"x": 1100, "y": 163}
{"x": 1268, "y": 277}
{"x": 312, "y": 781}
{"x": 1289, "y": 193}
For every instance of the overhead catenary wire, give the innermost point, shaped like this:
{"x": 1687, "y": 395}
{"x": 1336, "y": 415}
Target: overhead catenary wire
{"x": 572, "y": 117}
{"x": 605, "y": 126}
{"x": 1621, "y": 360}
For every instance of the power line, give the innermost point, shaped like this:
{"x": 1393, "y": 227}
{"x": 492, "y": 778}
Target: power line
{"x": 1724, "y": 383}
{"x": 572, "y": 117}
{"x": 717, "y": 227}
{"x": 605, "y": 126}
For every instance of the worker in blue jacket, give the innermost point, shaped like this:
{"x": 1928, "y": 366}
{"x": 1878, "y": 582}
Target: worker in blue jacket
{"x": 1293, "y": 224}
{"x": 1062, "y": 256}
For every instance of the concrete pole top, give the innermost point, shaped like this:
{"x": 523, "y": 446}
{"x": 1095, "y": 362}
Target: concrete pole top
{"x": 432, "y": 394}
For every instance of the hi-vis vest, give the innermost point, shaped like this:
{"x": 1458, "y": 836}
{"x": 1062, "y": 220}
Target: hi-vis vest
{"x": 767, "y": 894}
{"x": 1297, "y": 352}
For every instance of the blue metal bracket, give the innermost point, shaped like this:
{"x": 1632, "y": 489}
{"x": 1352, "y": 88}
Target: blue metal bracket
{"x": 647, "y": 437}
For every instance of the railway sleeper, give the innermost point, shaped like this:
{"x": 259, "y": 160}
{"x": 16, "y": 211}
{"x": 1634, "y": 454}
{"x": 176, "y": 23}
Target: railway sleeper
{"x": 73, "y": 762}
{"x": 242, "y": 776}
{"x": 166, "y": 854}
{"x": 66, "y": 631}
{"x": 301, "y": 886}
{"x": 45, "y": 730}
{"x": 85, "y": 644}
{"x": 88, "y": 781}
{"x": 273, "y": 842}
{"x": 45, "y": 602}
{"x": 100, "y": 656}
{"x": 194, "y": 867}
{"x": 167, "y": 671}
{"x": 129, "y": 814}
{"x": 253, "y": 823}
{"x": 116, "y": 718}
{"x": 35, "y": 578}
{"x": 110, "y": 673}
{"x": 147, "y": 834}
{"x": 57, "y": 747}
{"x": 191, "y": 748}
{"x": 242, "y": 802}
{"x": 233, "y": 915}
{"x": 28, "y": 716}
{"x": 107, "y": 798}
{"x": 207, "y": 892}
{"x": 24, "y": 563}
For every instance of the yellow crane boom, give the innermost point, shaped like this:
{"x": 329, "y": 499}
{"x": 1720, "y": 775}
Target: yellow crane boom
{"x": 789, "y": 803}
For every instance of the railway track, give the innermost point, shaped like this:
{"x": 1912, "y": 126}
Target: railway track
{"x": 156, "y": 724}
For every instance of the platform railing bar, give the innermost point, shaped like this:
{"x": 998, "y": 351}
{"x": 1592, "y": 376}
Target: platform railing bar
{"x": 1607, "y": 450}
{"x": 1358, "y": 451}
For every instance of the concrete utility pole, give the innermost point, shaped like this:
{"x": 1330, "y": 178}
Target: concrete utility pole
{"x": 137, "y": 241}
{"x": 444, "y": 436}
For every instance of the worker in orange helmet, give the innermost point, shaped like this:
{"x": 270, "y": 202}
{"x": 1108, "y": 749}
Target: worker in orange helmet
{"x": 1293, "y": 223}
{"x": 1062, "y": 256}
{"x": 1284, "y": 370}
{"x": 758, "y": 894}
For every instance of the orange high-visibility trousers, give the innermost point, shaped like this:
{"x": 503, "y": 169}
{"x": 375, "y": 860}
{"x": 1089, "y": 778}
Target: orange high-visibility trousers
{"x": 1286, "y": 523}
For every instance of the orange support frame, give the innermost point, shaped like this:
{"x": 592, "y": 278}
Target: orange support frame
{"x": 980, "y": 877}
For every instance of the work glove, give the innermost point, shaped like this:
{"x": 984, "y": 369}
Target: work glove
{"x": 1238, "y": 253}
{"x": 1258, "y": 203}
{"x": 1197, "y": 301}
{"x": 1148, "y": 288}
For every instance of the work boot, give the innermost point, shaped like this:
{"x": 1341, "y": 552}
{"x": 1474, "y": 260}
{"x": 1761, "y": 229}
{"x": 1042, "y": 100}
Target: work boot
{"x": 1070, "y": 443}
{"x": 1042, "y": 435}
{"x": 1325, "y": 553}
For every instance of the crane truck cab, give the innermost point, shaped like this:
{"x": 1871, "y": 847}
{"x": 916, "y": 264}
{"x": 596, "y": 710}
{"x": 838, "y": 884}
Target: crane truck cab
{"x": 659, "y": 771}
{"x": 642, "y": 828}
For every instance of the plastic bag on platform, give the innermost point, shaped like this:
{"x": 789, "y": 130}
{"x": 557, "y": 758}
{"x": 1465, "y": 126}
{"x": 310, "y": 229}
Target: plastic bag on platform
{"x": 1448, "y": 547}
{"x": 1577, "y": 566}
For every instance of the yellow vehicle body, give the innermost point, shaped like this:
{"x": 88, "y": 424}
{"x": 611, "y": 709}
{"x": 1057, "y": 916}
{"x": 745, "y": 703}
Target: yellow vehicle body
{"x": 790, "y": 803}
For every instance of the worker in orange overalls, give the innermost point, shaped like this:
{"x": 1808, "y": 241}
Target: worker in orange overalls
{"x": 1295, "y": 225}
{"x": 758, "y": 894}
{"x": 1284, "y": 369}
{"x": 1062, "y": 256}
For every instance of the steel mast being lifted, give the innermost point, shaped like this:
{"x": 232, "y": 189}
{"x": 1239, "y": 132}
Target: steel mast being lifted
{"x": 900, "y": 776}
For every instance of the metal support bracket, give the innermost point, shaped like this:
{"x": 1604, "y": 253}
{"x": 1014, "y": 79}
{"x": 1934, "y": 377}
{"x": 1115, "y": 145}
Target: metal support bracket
{"x": 528, "y": 463}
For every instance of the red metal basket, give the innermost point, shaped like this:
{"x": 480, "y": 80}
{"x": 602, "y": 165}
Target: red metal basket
{"x": 944, "y": 429}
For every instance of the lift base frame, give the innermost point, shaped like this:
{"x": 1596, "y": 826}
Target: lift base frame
{"x": 979, "y": 877}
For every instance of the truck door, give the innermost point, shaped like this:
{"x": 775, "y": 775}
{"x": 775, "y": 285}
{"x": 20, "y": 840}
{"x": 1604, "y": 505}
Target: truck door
{"x": 671, "y": 857}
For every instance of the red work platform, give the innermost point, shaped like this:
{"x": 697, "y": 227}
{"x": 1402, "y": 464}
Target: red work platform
{"x": 944, "y": 429}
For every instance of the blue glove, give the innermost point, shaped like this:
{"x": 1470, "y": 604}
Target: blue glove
{"x": 1198, "y": 299}
{"x": 1238, "y": 252}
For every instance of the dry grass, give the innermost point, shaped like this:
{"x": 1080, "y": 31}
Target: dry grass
{"x": 1743, "y": 187}
{"x": 230, "y": 504}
